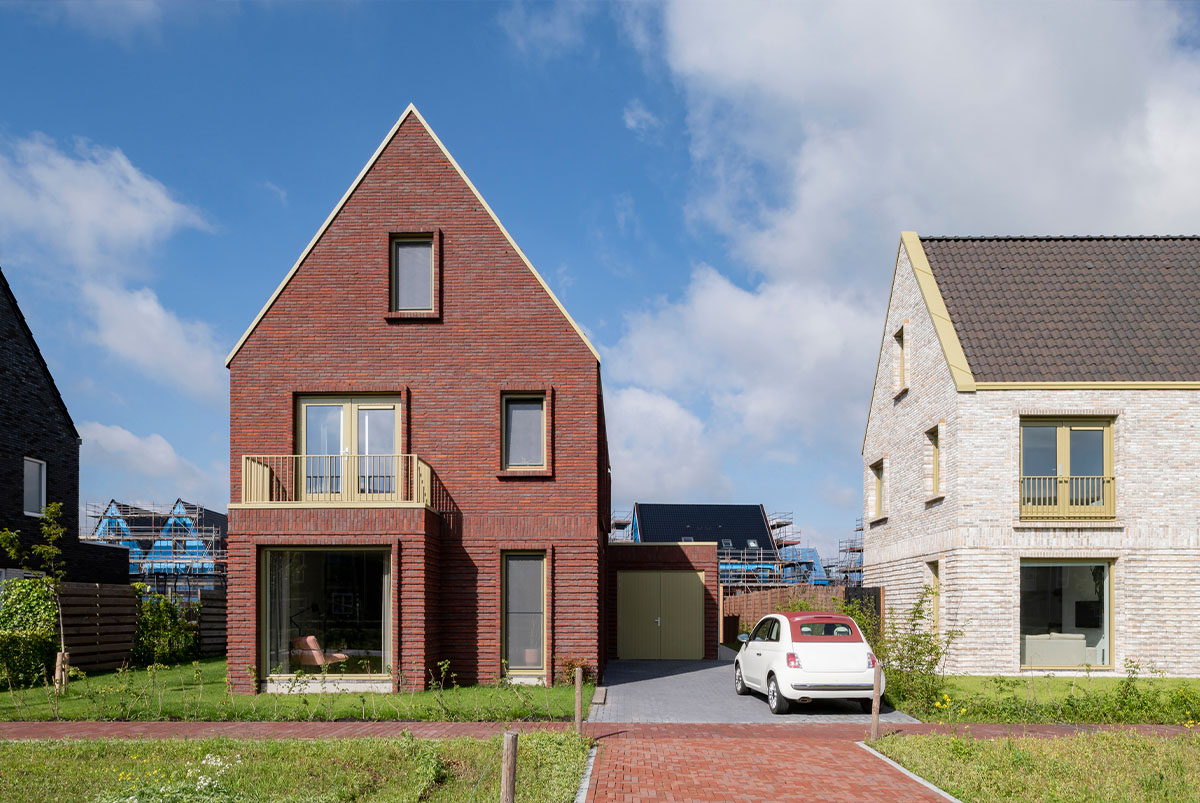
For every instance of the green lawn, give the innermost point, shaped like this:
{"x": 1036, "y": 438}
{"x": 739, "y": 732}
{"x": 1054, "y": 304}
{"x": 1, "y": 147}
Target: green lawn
{"x": 199, "y": 693}
{"x": 549, "y": 767}
{"x": 1049, "y": 698}
{"x": 1047, "y": 688}
{"x": 1099, "y": 767}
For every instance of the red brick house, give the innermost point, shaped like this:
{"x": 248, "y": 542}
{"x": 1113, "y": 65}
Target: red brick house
{"x": 418, "y": 459}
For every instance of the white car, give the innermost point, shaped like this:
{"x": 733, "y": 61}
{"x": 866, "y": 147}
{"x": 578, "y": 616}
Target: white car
{"x": 800, "y": 657}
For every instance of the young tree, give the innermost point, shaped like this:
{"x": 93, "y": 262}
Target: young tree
{"x": 45, "y": 556}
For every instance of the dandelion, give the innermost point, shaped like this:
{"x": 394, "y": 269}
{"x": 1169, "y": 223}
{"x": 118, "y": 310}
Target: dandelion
{"x": 962, "y": 710}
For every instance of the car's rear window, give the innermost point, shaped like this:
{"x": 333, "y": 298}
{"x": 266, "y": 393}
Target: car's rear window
{"x": 824, "y": 630}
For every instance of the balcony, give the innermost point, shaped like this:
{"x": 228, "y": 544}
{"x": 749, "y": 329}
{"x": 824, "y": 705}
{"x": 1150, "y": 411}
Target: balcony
{"x": 345, "y": 480}
{"x": 1068, "y": 498}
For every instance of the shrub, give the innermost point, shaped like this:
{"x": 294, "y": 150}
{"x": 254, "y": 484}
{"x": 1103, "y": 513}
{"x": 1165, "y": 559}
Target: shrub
{"x": 27, "y": 605}
{"x": 914, "y": 654}
{"x": 26, "y": 658}
{"x": 163, "y": 634}
{"x": 567, "y": 674}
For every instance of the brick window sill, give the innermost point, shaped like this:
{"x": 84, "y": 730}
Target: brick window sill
{"x": 933, "y": 500}
{"x": 877, "y": 520}
{"x": 900, "y": 394}
{"x": 412, "y": 315}
{"x": 532, "y": 474}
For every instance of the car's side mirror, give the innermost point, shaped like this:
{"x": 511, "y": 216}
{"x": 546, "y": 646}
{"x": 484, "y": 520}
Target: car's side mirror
{"x": 743, "y": 637}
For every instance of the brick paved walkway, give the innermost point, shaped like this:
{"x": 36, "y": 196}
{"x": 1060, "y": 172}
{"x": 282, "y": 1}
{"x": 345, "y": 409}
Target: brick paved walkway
{"x": 643, "y": 761}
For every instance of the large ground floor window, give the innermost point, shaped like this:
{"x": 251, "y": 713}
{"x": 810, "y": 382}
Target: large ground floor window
{"x": 524, "y": 612}
{"x": 1065, "y": 614}
{"x": 326, "y": 610}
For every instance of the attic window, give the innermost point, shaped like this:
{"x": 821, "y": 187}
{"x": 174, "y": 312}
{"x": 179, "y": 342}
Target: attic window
{"x": 412, "y": 274}
{"x": 751, "y": 543}
{"x": 687, "y": 539}
{"x": 727, "y": 543}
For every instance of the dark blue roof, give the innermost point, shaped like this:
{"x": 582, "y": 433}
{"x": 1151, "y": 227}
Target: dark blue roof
{"x": 737, "y": 524}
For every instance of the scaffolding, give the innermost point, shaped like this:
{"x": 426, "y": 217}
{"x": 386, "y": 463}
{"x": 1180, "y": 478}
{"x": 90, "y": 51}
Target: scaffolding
{"x": 177, "y": 550}
{"x": 621, "y": 531}
{"x": 848, "y": 571}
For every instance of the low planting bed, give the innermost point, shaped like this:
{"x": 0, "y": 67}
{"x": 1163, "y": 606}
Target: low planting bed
{"x": 1097, "y": 766}
{"x": 198, "y": 691}
{"x": 549, "y": 767}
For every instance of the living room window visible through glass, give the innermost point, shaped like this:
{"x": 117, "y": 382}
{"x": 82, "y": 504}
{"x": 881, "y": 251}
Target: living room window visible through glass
{"x": 1065, "y": 614}
{"x": 326, "y": 611}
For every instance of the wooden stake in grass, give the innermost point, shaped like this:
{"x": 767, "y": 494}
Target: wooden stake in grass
{"x": 508, "y": 769}
{"x": 875, "y": 701}
{"x": 579, "y": 699}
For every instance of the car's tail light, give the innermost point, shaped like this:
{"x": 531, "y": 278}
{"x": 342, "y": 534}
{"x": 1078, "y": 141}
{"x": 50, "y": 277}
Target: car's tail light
{"x": 793, "y": 661}
{"x": 871, "y": 661}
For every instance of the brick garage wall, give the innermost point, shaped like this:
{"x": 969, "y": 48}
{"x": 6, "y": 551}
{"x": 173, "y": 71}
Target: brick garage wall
{"x": 329, "y": 332}
{"x": 699, "y": 557}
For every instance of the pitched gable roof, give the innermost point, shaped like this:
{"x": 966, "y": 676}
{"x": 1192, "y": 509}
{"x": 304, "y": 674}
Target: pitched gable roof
{"x": 1072, "y": 309}
{"x": 7, "y": 293}
{"x": 410, "y": 110}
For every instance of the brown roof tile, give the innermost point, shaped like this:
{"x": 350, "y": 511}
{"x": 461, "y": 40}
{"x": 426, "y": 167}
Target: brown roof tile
{"x": 1073, "y": 309}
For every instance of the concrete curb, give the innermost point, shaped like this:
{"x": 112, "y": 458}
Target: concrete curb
{"x": 586, "y": 780}
{"x": 914, "y": 776}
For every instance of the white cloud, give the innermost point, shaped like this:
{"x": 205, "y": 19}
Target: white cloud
{"x": 818, "y": 129}
{"x": 147, "y": 468}
{"x": 92, "y": 210}
{"x": 639, "y": 119}
{"x": 115, "y": 19}
{"x": 660, "y": 452}
{"x": 278, "y": 191}
{"x": 818, "y": 132}
{"x": 781, "y": 360}
{"x": 546, "y": 30}
{"x": 93, "y": 219}
{"x": 135, "y": 327}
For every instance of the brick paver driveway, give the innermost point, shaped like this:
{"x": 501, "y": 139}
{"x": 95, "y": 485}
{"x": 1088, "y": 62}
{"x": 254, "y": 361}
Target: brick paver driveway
{"x": 751, "y": 763}
{"x": 702, "y": 691}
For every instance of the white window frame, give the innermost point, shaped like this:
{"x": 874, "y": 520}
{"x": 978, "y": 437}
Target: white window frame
{"x": 42, "y": 490}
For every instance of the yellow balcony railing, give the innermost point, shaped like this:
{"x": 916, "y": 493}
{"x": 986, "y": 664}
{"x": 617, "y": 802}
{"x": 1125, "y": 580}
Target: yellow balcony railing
{"x": 1074, "y": 498}
{"x": 339, "y": 479}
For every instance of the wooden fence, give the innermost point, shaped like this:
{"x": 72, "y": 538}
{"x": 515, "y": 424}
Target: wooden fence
{"x": 98, "y": 621}
{"x": 212, "y": 622}
{"x": 743, "y": 610}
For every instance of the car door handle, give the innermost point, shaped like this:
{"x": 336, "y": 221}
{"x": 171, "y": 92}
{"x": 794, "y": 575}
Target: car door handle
{"x": 758, "y": 653}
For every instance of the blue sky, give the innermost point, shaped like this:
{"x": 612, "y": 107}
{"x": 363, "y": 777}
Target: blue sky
{"x": 715, "y": 192}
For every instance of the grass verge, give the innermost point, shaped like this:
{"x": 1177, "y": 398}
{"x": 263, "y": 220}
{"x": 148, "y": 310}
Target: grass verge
{"x": 1101, "y": 766}
{"x": 549, "y": 767}
{"x": 199, "y": 692}
{"x": 1131, "y": 699}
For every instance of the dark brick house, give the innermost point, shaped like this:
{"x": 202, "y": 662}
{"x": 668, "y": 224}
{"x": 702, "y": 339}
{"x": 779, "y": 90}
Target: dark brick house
{"x": 39, "y": 452}
{"x": 418, "y": 460}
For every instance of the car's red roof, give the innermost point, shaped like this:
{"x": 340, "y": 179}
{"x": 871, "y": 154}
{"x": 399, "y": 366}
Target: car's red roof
{"x": 802, "y": 617}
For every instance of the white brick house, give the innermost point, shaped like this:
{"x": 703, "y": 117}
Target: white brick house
{"x": 1057, "y": 381}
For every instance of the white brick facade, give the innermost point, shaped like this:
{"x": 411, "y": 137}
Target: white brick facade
{"x": 974, "y": 533}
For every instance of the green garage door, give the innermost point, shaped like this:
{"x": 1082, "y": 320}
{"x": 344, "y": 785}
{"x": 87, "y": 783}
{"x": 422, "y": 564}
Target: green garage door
{"x": 660, "y": 615}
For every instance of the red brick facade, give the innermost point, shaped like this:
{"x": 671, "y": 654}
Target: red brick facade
{"x": 495, "y": 330}
{"x": 696, "y": 557}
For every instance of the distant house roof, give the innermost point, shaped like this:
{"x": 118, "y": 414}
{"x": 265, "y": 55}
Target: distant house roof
{"x": 1072, "y": 309}
{"x": 736, "y": 524}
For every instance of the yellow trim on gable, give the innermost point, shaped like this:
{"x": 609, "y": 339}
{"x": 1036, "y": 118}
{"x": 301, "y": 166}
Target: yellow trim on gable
{"x": 1087, "y": 385}
{"x": 411, "y": 109}
{"x": 960, "y": 369}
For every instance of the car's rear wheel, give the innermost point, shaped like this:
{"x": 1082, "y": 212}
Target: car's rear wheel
{"x": 739, "y": 683}
{"x": 779, "y": 704}
{"x": 866, "y": 705}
